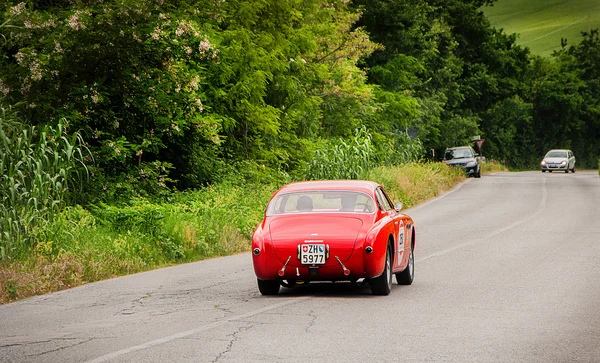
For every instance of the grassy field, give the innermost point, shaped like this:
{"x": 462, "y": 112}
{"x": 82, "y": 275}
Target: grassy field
{"x": 541, "y": 24}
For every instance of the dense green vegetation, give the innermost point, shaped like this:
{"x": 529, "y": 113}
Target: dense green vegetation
{"x": 542, "y": 24}
{"x": 140, "y": 133}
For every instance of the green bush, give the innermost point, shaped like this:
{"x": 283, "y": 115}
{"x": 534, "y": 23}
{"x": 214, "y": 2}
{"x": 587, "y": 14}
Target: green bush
{"x": 141, "y": 217}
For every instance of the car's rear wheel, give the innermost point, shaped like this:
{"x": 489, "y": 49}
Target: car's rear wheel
{"x": 573, "y": 170}
{"x": 567, "y": 171}
{"x": 543, "y": 171}
{"x": 382, "y": 285}
{"x": 406, "y": 277}
{"x": 549, "y": 171}
{"x": 477, "y": 174}
{"x": 268, "y": 287}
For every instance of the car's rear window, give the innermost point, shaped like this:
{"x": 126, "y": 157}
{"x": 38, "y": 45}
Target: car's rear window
{"x": 321, "y": 202}
{"x": 556, "y": 154}
{"x": 457, "y": 154}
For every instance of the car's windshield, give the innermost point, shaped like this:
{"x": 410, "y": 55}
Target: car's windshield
{"x": 321, "y": 202}
{"x": 457, "y": 154}
{"x": 556, "y": 154}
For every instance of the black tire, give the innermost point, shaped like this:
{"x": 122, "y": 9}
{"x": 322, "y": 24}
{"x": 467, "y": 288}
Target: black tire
{"x": 382, "y": 285}
{"x": 268, "y": 287}
{"x": 567, "y": 171}
{"x": 543, "y": 171}
{"x": 407, "y": 276}
{"x": 573, "y": 170}
{"x": 549, "y": 171}
{"x": 477, "y": 174}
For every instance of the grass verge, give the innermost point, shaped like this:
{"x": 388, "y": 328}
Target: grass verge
{"x": 412, "y": 184}
{"x": 87, "y": 245}
{"x": 491, "y": 166}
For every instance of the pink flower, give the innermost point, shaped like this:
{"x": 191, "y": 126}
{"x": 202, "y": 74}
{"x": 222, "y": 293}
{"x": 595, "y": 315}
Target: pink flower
{"x": 74, "y": 22}
{"x": 204, "y": 46}
{"x": 4, "y": 88}
{"x": 17, "y": 9}
{"x": 199, "y": 104}
{"x": 194, "y": 82}
{"x": 20, "y": 57}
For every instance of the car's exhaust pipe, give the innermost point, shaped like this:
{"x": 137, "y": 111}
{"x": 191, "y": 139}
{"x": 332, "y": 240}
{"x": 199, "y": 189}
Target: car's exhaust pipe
{"x": 346, "y": 271}
{"x": 282, "y": 271}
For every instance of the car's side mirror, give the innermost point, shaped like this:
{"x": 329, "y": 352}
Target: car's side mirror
{"x": 398, "y": 206}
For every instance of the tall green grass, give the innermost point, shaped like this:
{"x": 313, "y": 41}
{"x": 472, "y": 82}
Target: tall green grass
{"x": 39, "y": 167}
{"x": 343, "y": 159}
{"x": 351, "y": 159}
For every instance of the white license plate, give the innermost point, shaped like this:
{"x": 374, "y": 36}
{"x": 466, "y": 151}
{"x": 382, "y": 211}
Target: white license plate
{"x": 312, "y": 254}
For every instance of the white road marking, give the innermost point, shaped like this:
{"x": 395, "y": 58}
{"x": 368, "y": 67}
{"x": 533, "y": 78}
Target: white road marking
{"x": 187, "y": 333}
{"x": 541, "y": 207}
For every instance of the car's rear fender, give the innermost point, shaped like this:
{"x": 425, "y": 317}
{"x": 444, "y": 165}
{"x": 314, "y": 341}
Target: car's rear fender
{"x": 265, "y": 266}
{"x": 378, "y": 239}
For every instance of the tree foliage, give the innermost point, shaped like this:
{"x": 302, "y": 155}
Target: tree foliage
{"x": 180, "y": 93}
{"x": 194, "y": 85}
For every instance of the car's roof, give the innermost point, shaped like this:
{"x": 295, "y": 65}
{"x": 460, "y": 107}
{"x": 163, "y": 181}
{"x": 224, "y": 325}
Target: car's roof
{"x": 558, "y": 150}
{"x": 355, "y": 185}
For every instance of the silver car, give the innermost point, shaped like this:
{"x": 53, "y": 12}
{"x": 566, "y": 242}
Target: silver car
{"x": 560, "y": 160}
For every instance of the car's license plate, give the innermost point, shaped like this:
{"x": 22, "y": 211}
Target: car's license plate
{"x": 312, "y": 254}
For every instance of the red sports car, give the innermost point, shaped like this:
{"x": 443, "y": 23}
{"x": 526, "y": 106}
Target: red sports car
{"x": 337, "y": 230}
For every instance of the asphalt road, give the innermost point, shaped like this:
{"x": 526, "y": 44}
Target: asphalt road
{"x": 506, "y": 271}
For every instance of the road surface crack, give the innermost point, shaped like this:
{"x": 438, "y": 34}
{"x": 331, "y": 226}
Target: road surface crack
{"x": 233, "y": 337}
{"x": 61, "y": 348}
{"x": 312, "y": 320}
{"x": 35, "y": 342}
{"x": 225, "y": 310}
{"x": 135, "y": 304}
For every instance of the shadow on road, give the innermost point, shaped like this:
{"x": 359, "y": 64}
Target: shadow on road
{"x": 329, "y": 289}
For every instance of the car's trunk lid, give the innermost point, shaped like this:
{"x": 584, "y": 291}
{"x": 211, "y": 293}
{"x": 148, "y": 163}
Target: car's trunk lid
{"x": 338, "y": 231}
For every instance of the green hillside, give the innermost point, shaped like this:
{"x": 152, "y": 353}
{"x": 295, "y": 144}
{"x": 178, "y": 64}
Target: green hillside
{"x": 542, "y": 23}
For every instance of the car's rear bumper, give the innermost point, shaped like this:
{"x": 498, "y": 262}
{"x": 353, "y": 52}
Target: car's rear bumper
{"x": 471, "y": 170}
{"x": 359, "y": 265}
